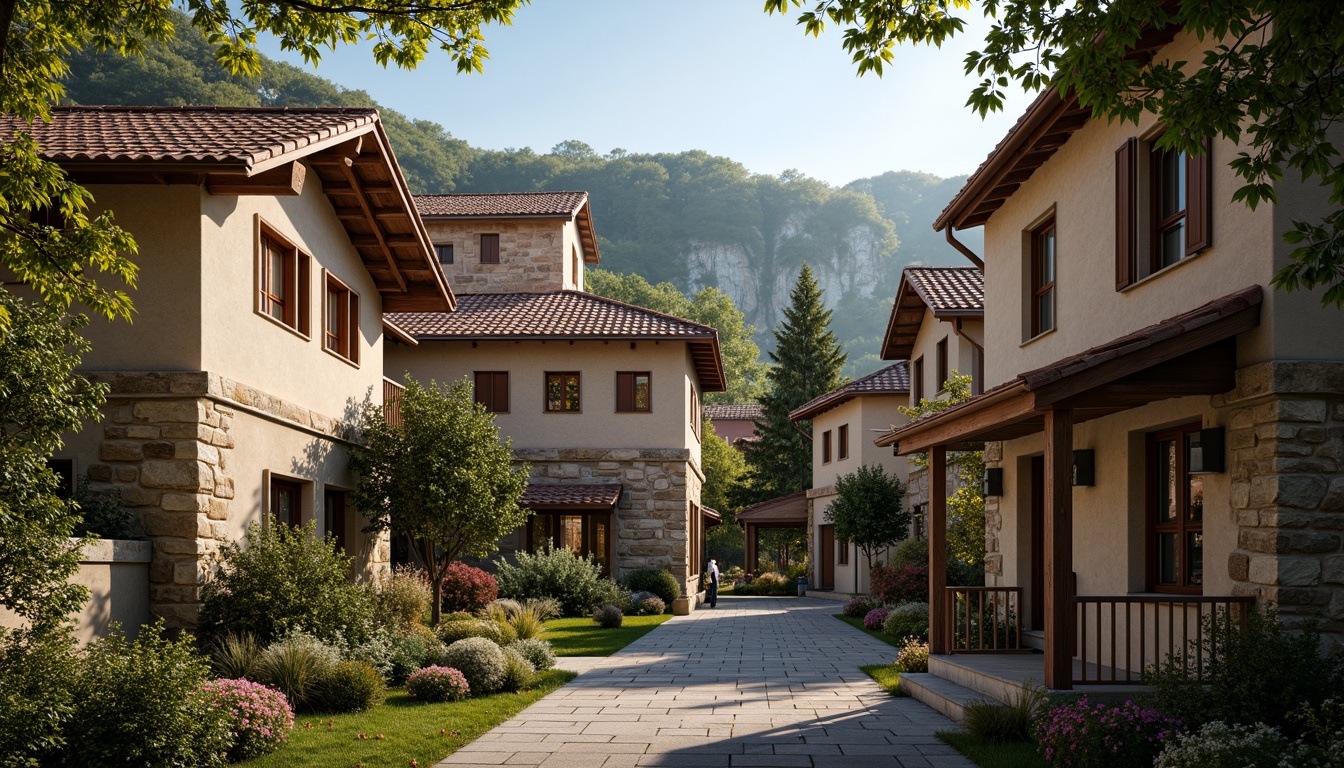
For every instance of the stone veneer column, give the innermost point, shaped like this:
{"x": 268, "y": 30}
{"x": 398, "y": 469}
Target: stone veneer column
{"x": 993, "y": 457}
{"x": 1285, "y": 441}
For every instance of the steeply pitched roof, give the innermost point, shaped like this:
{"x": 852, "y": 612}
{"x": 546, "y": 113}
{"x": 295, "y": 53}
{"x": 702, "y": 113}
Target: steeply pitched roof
{"x": 263, "y": 151}
{"x": 514, "y": 205}
{"x": 570, "y": 495}
{"x": 733, "y": 411}
{"x": 892, "y": 380}
{"x": 565, "y": 315}
{"x": 949, "y": 292}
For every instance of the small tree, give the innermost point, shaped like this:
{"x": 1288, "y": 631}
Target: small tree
{"x": 441, "y": 477}
{"x": 867, "y": 510}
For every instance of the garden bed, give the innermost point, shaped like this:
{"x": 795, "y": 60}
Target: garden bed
{"x": 581, "y": 637}
{"x": 410, "y": 729}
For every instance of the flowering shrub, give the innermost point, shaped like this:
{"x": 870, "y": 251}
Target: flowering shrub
{"x": 437, "y": 684}
{"x": 859, "y": 607}
{"x": 908, "y": 620}
{"x": 1086, "y": 735}
{"x": 1243, "y": 746}
{"x": 259, "y": 717}
{"x": 874, "y": 618}
{"x": 467, "y": 589}
{"x": 899, "y": 584}
{"x": 913, "y": 656}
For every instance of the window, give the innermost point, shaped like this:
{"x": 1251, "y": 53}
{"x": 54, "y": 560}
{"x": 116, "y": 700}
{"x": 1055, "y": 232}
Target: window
{"x": 341, "y": 321}
{"x": 445, "y": 253}
{"x": 1163, "y": 218}
{"x": 492, "y": 390}
{"x": 1043, "y": 279}
{"x": 826, "y": 447}
{"x": 287, "y": 502}
{"x": 282, "y": 282}
{"x": 489, "y": 249}
{"x": 842, "y": 442}
{"x": 941, "y": 360}
{"x": 575, "y": 269}
{"x": 582, "y": 532}
{"x": 917, "y": 382}
{"x": 333, "y": 515}
{"x": 842, "y": 552}
{"x": 633, "y": 393}
{"x": 695, "y": 411}
{"x": 65, "y": 476}
{"x": 562, "y": 392}
{"x": 1175, "y": 513}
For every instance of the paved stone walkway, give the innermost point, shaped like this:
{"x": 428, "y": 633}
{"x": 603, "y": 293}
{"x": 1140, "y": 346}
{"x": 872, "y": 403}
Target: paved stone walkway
{"x": 754, "y": 682}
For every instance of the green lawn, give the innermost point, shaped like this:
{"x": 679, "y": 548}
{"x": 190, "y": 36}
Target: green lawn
{"x": 886, "y": 676}
{"x": 988, "y": 755}
{"x": 858, "y": 624}
{"x": 582, "y": 637}
{"x": 410, "y": 730}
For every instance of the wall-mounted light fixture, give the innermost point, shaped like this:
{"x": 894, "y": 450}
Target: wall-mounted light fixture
{"x": 1208, "y": 452}
{"x": 993, "y": 482}
{"x": 1085, "y": 467}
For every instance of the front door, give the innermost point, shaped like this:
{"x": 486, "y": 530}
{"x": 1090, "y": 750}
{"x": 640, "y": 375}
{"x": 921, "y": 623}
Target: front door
{"x": 1038, "y": 542}
{"x": 826, "y": 556}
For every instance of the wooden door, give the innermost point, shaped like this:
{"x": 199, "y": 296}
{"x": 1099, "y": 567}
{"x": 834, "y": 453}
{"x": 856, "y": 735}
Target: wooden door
{"x": 1038, "y": 542}
{"x": 826, "y": 556}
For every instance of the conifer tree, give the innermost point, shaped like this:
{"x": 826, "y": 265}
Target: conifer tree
{"x": 807, "y": 362}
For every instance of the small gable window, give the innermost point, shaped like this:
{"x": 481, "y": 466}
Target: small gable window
{"x": 489, "y": 249}
{"x": 340, "y": 333}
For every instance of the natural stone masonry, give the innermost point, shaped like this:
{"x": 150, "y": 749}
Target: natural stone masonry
{"x": 530, "y": 256}
{"x": 167, "y": 444}
{"x": 652, "y": 519}
{"x": 754, "y": 682}
{"x": 1285, "y": 443}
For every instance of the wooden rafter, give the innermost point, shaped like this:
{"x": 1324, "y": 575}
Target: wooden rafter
{"x": 352, "y": 179}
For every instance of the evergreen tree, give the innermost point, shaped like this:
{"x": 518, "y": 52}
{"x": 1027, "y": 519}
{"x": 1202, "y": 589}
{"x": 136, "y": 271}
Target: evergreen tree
{"x": 807, "y": 363}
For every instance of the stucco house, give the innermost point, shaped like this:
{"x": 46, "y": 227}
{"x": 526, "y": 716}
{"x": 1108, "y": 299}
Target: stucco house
{"x": 844, "y": 422}
{"x": 735, "y": 423}
{"x": 271, "y": 242}
{"x": 1164, "y": 429}
{"x": 938, "y": 324}
{"x": 601, "y": 398}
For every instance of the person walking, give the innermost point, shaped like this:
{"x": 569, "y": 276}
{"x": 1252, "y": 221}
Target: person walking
{"x": 712, "y": 593}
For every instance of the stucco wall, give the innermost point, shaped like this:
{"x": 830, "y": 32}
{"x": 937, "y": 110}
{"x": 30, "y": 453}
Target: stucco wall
{"x": 116, "y": 573}
{"x": 960, "y": 352}
{"x": 1078, "y": 184}
{"x": 597, "y": 425}
{"x": 534, "y": 254}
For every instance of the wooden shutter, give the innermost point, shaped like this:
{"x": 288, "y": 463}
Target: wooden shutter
{"x": 500, "y": 391}
{"x": 484, "y": 392}
{"x": 489, "y": 249}
{"x": 1199, "y": 201}
{"x": 1126, "y": 214}
{"x": 625, "y": 392}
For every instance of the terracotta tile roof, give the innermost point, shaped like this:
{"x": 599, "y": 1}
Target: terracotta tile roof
{"x": 571, "y": 495}
{"x": 892, "y": 380}
{"x": 733, "y": 411}
{"x": 1144, "y": 343}
{"x": 947, "y": 291}
{"x": 250, "y": 136}
{"x": 502, "y": 204}
{"x": 565, "y": 315}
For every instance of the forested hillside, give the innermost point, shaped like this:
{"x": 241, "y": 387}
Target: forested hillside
{"x": 691, "y": 218}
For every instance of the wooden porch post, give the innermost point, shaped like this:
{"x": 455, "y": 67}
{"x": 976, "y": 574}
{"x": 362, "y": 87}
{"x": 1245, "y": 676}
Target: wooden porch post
{"x": 750, "y": 554}
{"x": 939, "y": 642}
{"x": 1058, "y": 547}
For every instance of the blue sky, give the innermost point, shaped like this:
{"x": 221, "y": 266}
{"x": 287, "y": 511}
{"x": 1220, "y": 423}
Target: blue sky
{"x": 717, "y": 75}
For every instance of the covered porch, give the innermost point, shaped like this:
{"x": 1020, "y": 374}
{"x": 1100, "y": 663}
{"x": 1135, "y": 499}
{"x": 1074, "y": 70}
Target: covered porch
{"x": 1086, "y": 639}
{"x": 783, "y": 512}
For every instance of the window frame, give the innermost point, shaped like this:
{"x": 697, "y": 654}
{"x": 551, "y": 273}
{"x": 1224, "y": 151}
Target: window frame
{"x": 1181, "y": 527}
{"x": 629, "y": 402}
{"x": 917, "y": 381}
{"x": 489, "y": 254}
{"x": 550, "y": 521}
{"x": 940, "y": 358}
{"x": 275, "y": 484}
{"x": 439, "y": 251}
{"x": 335, "y": 514}
{"x": 491, "y": 402}
{"x": 347, "y": 319}
{"x": 1036, "y": 289}
{"x": 564, "y": 395}
{"x": 826, "y": 447}
{"x": 842, "y": 442}
{"x": 841, "y": 551}
{"x": 296, "y": 280}
{"x": 1159, "y": 226}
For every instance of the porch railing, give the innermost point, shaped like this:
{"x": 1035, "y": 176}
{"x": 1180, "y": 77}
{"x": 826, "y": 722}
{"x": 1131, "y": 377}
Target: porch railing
{"x": 1121, "y": 637}
{"x": 392, "y": 402}
{"x": 984, "y": 619}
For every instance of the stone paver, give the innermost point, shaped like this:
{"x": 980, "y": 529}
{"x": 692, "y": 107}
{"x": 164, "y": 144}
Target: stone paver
{"x": 754, "y": 682}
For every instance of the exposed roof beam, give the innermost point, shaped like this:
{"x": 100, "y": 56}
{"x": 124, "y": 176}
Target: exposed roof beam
{"x": 352, "y": 179}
